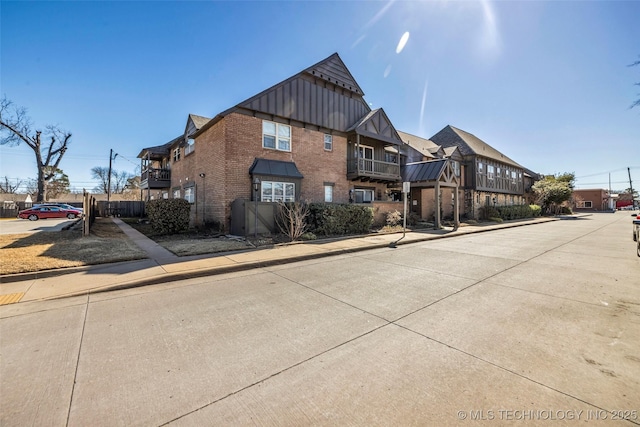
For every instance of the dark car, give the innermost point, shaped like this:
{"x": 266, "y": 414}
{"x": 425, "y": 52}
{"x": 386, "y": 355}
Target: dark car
{"x": 43, "y": 212}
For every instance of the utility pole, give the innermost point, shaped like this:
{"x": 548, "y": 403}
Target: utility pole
{"x": 111, "y": 158}
{"x": 633, "y": 200}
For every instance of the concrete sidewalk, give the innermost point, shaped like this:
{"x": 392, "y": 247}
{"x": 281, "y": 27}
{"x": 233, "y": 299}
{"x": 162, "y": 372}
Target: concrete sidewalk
{"x": 163, "y": 266}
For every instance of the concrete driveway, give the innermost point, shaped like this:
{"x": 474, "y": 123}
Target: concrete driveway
{"x": 21, "y": 226}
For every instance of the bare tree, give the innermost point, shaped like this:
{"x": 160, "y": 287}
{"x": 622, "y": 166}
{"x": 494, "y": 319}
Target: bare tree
{"x": 119, "y": 179}
{"x": 291, "y": 219}
{"x": 102, "y": 175}
{"x": 7, "y": 187}
{"x": 16, "y": 127}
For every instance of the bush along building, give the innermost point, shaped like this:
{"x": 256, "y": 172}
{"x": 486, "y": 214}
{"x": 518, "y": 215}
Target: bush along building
{"x": 312, "y": 137}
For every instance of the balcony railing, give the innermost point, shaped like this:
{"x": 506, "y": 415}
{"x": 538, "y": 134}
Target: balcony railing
{"x": 373, "y": 169}
{"x": 155, "y": 178}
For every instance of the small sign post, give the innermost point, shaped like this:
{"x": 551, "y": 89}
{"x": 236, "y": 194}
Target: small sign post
{"x": 406, "y": 189}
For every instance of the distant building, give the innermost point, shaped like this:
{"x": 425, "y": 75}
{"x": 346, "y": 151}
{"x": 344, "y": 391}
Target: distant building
{"x": 595, "y": 199}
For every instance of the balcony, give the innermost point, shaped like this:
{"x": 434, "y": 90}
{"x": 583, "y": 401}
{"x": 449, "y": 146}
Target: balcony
{"x": 153, "y": 178}
{"x": 373, "y": 170}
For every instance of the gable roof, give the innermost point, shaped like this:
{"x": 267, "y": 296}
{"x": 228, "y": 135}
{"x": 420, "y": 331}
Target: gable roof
{"x": 194, "y": 124}
{"x": 158, "y": 151}
{"x": 198, "y": 121}
{"x": 469, "y": 144}
{"x": 377, "y": 125}
{"x": 325, "y": 95}
{"x": 424, "y": 146}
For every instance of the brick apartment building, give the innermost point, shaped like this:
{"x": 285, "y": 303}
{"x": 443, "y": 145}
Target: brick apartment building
{"x": 311, "y": 137}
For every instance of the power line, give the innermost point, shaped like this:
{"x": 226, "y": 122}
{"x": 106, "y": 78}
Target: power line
{"x": 607, "y": 172}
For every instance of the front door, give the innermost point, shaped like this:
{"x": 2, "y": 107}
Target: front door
{"x": 365, "y": 154}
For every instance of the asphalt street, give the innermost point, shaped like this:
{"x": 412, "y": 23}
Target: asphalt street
{"x": 535, "y": 325}
{"x": 20, "y": 226}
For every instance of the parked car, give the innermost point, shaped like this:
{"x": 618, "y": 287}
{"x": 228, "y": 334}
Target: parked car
{"x": 636, "y": 233}
{"x": 60, "y": 205}
{"x": 43, "y": 212}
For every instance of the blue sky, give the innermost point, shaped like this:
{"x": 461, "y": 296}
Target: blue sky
{"x": 545, "y": 82}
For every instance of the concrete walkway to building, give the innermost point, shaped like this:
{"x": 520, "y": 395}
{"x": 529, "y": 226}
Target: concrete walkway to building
{"x": 163, "y": 266}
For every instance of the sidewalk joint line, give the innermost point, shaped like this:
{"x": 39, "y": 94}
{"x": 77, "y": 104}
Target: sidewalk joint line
{"x": 75, "y": 374}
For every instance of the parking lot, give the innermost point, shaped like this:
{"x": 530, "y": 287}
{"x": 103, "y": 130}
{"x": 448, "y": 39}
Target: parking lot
{"x": 21, "y": 226}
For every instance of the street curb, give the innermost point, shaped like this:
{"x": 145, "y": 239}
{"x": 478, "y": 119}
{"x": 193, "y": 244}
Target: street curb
{"x": 44, "y": 274}
{"x": 205, "y": 272}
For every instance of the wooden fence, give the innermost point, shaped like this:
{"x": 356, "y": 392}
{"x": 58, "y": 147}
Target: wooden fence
{"x": 124, "y": 209}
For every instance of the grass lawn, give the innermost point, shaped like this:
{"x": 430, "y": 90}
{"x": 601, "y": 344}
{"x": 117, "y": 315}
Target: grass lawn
{"x": 23, "y": 253}
{"x": 191, "y": 242}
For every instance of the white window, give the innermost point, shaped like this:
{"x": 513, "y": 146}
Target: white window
{"x": 165, "y": 194}
{"x": 191, "y": 147}
{"x": 176, "y": 154}
{"x": 363, "y": 196}
{"x": 176, "y": 193}
{"x": 328, "y": 142}
{"x": 328, "y": 193}
{"x": 456, "y": 168}
{"x": 276, "y": 136}
{"x": 490, "y": 171}
{"x": 190, "y": 194}
{"x": 278, "y": 191}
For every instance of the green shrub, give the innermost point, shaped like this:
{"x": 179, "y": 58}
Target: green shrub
{"x": 566, "y": 210}
{"x": 507, "y": 213}
{"x": 308, "y": 236}
{"x": 536, "y": 210}
{"x": 339, "y": 219}
{"x": 496, "y": 219}
{"x": 489, "y": 212}
{"x": 168, "y": 216}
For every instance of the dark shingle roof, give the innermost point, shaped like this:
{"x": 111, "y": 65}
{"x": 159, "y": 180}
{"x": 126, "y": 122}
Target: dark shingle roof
{"x": 159, "y": 150}
{"x": 469, "y": 144}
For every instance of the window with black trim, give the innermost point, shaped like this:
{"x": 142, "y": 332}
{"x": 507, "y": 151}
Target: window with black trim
{"x": 363, "y": 195}
{"x": 272, "y": 191}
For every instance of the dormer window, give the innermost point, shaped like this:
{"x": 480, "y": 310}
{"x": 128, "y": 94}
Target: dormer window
{"x": 190, "y": 147}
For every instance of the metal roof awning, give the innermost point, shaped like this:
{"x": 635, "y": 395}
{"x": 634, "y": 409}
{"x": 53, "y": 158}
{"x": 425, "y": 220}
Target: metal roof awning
{"x": 275, "y": 168}
{"x": 423, "y": 171}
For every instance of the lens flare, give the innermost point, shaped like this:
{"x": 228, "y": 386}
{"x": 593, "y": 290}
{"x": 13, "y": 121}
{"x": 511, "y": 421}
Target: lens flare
{"x": 403, "y": 42}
